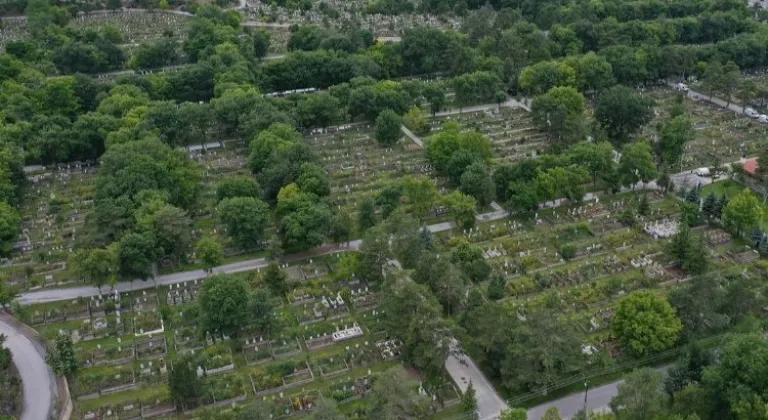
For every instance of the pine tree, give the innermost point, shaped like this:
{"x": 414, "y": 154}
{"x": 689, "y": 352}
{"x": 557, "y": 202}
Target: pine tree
{"x": 644, "y": 208}
{"x": 709, "y": 206}
{"x": 469, "y": 402}
{"x": 498, "y": 288}
{"x": 721, "y": 204}
{"x": 693, "y": 196}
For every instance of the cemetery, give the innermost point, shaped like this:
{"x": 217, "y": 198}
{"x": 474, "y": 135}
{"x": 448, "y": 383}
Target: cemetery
{"x": 722, "y": 136}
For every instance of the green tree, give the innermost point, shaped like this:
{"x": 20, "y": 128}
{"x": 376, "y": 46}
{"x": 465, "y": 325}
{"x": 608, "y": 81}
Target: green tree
{"x": 184, "y": 384}
{"x": 261, "y": 308}
{"x": 8, "y": 295}
{"x": 514, "y": 414}
{"x": 223, "y": 303}
{"x": 210, "y": 252}
{"x": 245, "y": 219}
{"x": 552, "y": 414}
{"x": 366, "y": 214}
{"x": 388, "y": 128}
{"x": 261, "y": 40}
{"x": 742, "y": 213}
{"x": 740, "y": 377}
{"x": 96, "y": 266}
{"x": 136, "y": 256}
{"x": 640, "y": 396}
{"x": 421, "y": 195}
{"x": 560, "y": 113}
{"x": 10, "y": 226}
{"x": 645, "y": 324}
{"x": 462, "y": 207}
{"x": 275, "y": 279}
{"x": 674, "y": 135}
{"x": 497, "y": 289}
{"x": 394, "y": 396}
{"x": 621, "y": 112}
{"x": 415, "y": 120}
{"x": 237, "y": 186}
{"x": 326, "y": 409}
{"x": 63, "y": 358}
{"x": 469, "y": 402}
{"x": 476, "y": 182}
{"x": 545, "y": 75}
{"x": 636, "y": 164}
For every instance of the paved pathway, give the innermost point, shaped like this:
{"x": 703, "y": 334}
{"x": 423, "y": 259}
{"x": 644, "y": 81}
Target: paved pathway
{"x": 463, "y": 370}
{"x": 416, "y": 139}
{"x": 509, "y": 103}
{"x": 705, "y": 97}
{"x": 37, "y": 380}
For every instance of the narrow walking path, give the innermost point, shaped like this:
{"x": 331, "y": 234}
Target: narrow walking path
{"x": 38, "y": 383}
{"x": 462, "y": 370}
{"x": 416, "y": 139}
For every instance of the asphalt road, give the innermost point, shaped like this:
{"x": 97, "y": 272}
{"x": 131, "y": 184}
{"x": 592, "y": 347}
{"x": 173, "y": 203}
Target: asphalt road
{"x": 597, "y": 400}
{"x": 36, "y": 379}
{"x": 463, "y": 370}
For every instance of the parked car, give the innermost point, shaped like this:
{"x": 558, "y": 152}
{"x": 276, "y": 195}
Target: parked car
{"x": 751, "y": 113}
{"x": 763, "y": 119}
{"x": 702, "y": 172}
{"x": 681, "y": 87}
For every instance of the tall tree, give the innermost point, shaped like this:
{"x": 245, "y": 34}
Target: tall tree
{"x": 245, "y": 219}
{"x": 742, "y": 213}
{"x": 645, "y": 324}
{"x": 640, "y": 396}
{"x": 210, "y": 252}
{"x": 636, "y": 164}
{"x": 388, "y": 127}
{"x": 223, "y": 303}
{"x": 621, "y": 112}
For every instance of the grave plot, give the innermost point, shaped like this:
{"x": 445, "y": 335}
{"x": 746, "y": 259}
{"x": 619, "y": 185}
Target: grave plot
{"x": 215, "y": 360}
{"x": 136, "y": 26}
{"x": 108, "y": 351}
{"x": 349, "y": 389}
{"x": 722, "y": 136}
{"x": 187, "y": 340}
{"x": 334, "y": 14}
{"x": 331, "y": 366}
{"x": 53, "y": 212}
{"x": 371, "y": 321}
{"x": 273, "y": 377}
{"x": 151, "y": 347}
{"x": 327, "y": 333}
{"x": 102, "y": 380}
{"x": 224, "y": 390}
{"x": 262, "y": 351}
{"x": 358, "y": 167}
{"x": 182, "y": 293}
{"x": 510, "y": 130}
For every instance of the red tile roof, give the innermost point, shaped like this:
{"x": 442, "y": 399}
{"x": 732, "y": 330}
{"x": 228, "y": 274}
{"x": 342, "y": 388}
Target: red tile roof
{"x": 751, "y": 166}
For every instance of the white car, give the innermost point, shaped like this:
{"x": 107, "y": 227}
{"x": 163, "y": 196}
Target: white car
{"x": 763, "y": 119}
{"x": 751, "y": 113}
{"x": 704, "y": 172}
{"x": 681, "y": 87}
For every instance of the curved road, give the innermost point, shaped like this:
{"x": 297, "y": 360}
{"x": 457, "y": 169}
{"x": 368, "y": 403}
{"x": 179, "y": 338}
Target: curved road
{"x": 37, "y": 380}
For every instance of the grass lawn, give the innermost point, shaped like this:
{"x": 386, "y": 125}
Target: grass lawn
{"x": 731, "y": 189}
